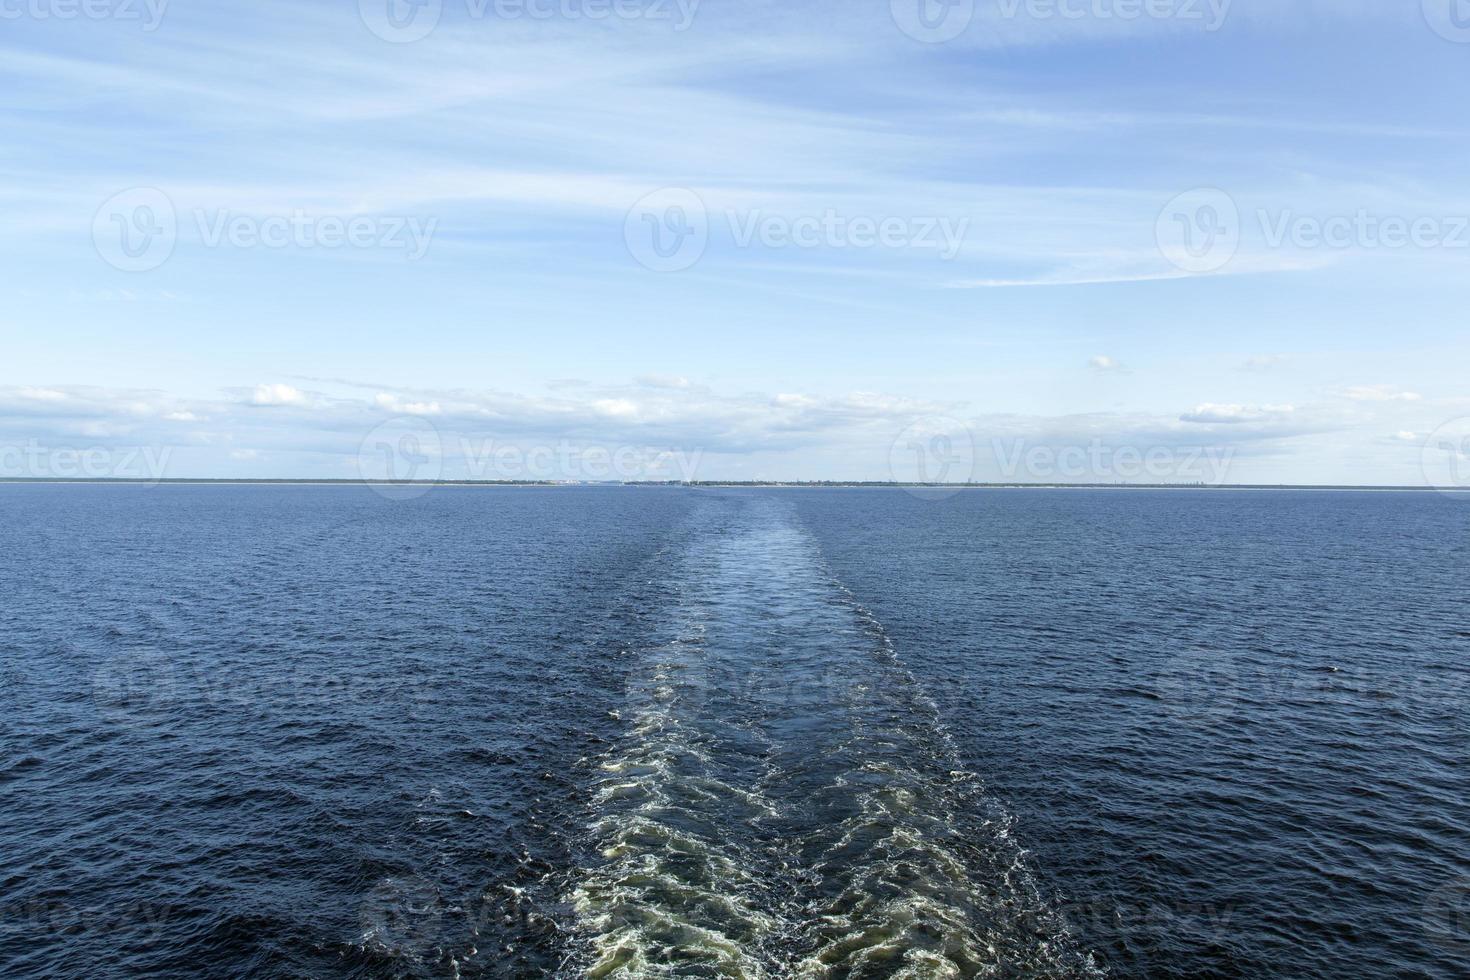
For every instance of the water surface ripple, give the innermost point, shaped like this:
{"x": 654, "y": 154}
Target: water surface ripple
{"x": 624, "y": 732}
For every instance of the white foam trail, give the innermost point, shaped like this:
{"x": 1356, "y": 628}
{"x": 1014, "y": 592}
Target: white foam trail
{"x": 674, "y": 894}
{"x": 853, "y": 846}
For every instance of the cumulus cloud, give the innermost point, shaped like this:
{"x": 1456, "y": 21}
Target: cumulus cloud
{"x": 742, "y": 435}
{"x": 618, "y": 408}
{"x": 277, "y": 394}
{"x": 390, "y": 402}
{"x": 231, "y": 435}
{"x": 1102, "y": 362}
{"x": 83, "y": 406}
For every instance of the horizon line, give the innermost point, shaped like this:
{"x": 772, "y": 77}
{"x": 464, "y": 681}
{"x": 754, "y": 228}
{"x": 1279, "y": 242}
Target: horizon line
{"x": 695, "y": 484}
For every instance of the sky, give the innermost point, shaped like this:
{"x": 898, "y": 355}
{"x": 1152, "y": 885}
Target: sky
{"x": 1146, "y": 241}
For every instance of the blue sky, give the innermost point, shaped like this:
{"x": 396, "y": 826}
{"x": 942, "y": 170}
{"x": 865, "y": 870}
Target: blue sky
{"x": 1002, "y": 240}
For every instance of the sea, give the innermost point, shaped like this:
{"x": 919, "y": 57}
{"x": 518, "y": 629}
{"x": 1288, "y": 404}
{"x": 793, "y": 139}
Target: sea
{"x": 608, "y": 732}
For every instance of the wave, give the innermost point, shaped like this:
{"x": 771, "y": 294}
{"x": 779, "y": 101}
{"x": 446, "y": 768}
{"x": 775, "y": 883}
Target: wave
{"x": 786, "y": 800}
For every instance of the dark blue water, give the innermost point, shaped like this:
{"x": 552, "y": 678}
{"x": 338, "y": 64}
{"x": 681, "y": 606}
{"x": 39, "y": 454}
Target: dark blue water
{"x": 307, "y": 731}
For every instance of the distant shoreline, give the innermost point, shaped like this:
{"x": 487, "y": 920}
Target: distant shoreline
{"x": 720, "y": 484}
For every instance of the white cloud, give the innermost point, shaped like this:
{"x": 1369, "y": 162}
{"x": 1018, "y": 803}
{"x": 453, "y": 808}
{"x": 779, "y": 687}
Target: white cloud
{"x": 277, "y": 394}
{"x": 42, "y": 394}
{"x": 1381, "y": 393}
{"x": 736, "y": 435}
{"x": 393, "y": 403}
{"x": 618, "y": 408}
{"x": 1102, "y": 362}
{"x": 1210, "y": 413}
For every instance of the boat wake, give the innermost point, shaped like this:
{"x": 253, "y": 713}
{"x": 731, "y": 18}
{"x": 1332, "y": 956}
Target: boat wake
{"x": 786, "y": 800}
